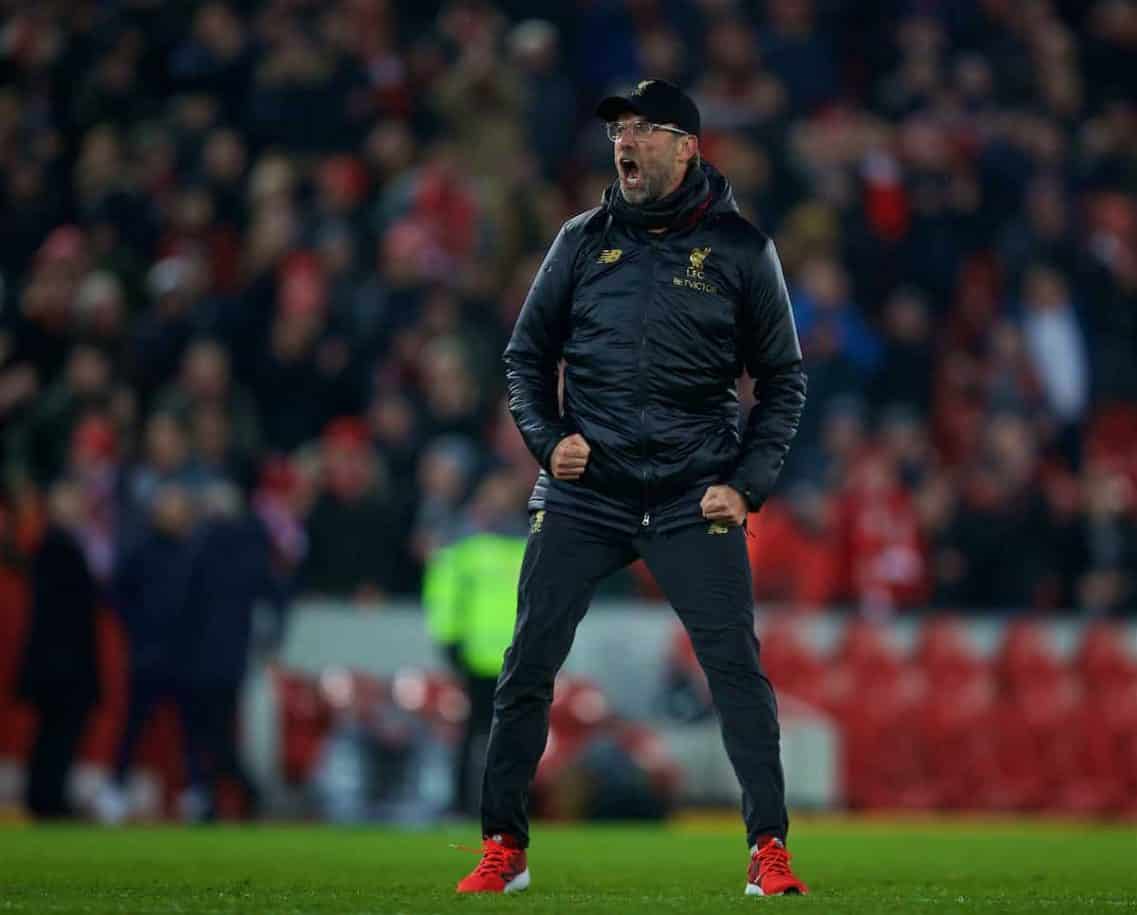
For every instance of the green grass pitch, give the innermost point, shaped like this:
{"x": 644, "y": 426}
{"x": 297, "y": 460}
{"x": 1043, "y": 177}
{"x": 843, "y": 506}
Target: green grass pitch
{"x": 851, "y": 866}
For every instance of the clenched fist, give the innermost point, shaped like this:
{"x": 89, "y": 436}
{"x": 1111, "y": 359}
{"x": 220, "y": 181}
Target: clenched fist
{"x": 724, "y": 503}
{"x": 570, "y": 457}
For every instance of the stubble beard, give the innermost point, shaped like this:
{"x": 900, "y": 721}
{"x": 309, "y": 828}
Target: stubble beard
{"x": 650, "y": 189}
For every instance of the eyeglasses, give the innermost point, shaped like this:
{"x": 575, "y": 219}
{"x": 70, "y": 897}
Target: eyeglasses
{"x": 641, "y": 130}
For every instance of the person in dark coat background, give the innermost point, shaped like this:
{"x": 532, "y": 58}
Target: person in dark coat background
{"x": 231, "y": 573}
{"x": 149, "y": 592}
{"x": 59, "y": 673}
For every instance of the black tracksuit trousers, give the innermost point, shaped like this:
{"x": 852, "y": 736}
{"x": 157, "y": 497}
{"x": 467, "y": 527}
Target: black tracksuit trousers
{"x": 706, "y": 577}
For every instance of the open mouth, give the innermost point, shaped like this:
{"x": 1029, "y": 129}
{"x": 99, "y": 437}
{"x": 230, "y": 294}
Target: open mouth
{"x": 630, "y": 172}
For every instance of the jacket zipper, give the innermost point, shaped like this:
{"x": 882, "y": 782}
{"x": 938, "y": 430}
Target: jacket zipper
{"x": 645, "y": 522}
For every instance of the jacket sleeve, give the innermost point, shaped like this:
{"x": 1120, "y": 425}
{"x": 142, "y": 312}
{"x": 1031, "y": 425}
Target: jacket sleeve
{"x": 772, "y": 355}
{"x": 534, "y": 351}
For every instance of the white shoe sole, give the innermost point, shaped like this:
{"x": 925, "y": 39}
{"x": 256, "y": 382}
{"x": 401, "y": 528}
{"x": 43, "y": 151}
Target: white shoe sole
{"x": 753, "y": 889}
{"x": 518, "y": 883}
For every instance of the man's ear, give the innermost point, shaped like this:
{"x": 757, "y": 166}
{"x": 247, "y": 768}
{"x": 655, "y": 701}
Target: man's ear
{"x": 696, "y": 156}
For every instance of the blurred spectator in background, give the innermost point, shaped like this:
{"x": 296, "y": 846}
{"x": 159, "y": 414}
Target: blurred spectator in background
{"x": 470, "y": 598}
{"x": 794, "y": 552}
{"x": 59, "y": 675}
{"x": 1002, "y": 538}
{"x": 95, "y": 465}
{"x": 38, "y": 330}
{"x": 206, "y": 387}
{"x": 548, "y": 97}
{"x": 1105, "y": 546}
{"x": 178, "y": 312}
{"x": 1056, "y": 346}
{"x": 353, "y": 527}
{"x": 166, "y": 460}
{"x": 38, "y": 446}
{"x": 822, "y": 307}
{"x": 446, "y": 476}
{"x": 303, "y": 378}
{"x": 231, "y": 573}
{"x": 904, "y": 376}
{"x": 883, "y": 550}
{"x": 150, "y": 589}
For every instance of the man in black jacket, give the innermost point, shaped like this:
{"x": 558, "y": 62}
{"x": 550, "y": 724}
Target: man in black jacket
{"x": 656, "y": 302}
{"x": 149, "y": 590}
{"x": 231, "y": 572}
{"x": 59, "y": 675}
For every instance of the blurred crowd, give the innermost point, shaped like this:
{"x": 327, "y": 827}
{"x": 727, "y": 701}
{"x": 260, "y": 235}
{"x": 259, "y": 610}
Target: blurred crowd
{"x": 281, "y": 244}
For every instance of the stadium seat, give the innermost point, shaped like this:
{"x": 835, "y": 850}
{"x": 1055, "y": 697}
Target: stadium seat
{"x": 877, "y": 703}
{"x": 17, "y": 722}
{"x": 567, "y": 785}
{"x": 1036, "y": 744}
{"x": 578, "y": 711}
{"x": 955, "y": 719}
{"x": 305, "y": 717}
{"x": 435, "y": 696}
{"x": 1103, "y": 660}
{"x": 958, "y": 741}
{"x": 1027, "y": 655}
{"x": 946, "y": 655}
{"x": 578, "y": 707}
{"x": 793, "y": 665}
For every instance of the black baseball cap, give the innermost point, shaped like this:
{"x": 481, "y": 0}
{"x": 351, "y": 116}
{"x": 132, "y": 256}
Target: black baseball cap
{"x": 657, "y": 100}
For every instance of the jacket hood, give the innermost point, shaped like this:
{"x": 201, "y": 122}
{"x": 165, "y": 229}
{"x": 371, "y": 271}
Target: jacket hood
{"x": 721, "y": 191}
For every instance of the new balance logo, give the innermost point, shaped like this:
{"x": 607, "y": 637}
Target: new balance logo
{"x": 717, "y": 527}
{"x": 535, "y": 528}
{"x": 609, "y": 256}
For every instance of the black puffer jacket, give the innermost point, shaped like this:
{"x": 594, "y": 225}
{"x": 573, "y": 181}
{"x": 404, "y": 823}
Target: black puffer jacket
{"x": 655, "y": 330}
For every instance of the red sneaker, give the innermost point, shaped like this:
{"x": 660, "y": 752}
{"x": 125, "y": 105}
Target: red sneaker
{"x": 770, "y": 874}
{"x": 503, "y": 869}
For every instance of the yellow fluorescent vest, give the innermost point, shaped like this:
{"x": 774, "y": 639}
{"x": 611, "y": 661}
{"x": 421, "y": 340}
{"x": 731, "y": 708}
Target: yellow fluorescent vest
{"x": 470, "y": 596}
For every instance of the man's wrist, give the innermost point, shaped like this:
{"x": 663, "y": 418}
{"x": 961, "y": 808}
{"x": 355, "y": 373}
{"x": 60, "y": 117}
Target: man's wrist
{"x": 743, "y": 489}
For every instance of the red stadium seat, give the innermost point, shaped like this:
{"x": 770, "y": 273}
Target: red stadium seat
{"x": 578, "y": 707}
{"x": 793, "y": 665}
{"x": 958, "y": 742}
{"x": 305, "y": 717}
{"x": 435, "y": 696}
{"x": 578, "y": 711}
{"x": 946, "y": 655}
{"x": 1027, "y": 656}
{"x": 1037, "y": 740}
{"x": 956, "y": 715}
{"x": 1103, "y": 659}
{"x": 877, "y": 704}
{"x": 1036, "y": 722}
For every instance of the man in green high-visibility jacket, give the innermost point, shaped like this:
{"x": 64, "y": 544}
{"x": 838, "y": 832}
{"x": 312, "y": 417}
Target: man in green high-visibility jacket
{"x": 470, "y": 596}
